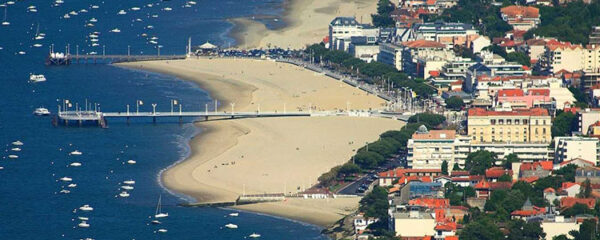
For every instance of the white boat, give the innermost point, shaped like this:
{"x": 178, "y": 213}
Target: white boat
{"x": 159, "y": 213}
{"x": 83, "y": 224}
{"x": 66, "y": 16}
{"x": 1, "y": 168}
{"x": 116, "y": 30}
{"x": 33, "y": 10}
{"x": 167, "y": 9}
{"x": 37, "y": 45}
{"x": 153, "y": 42}
{"x": 10, "y": 3}
{"x": 75, "y": 164}
{"x": 5, "y": 22}
{"x": 59, "y": 1}
{"x": 94, "y": 45}
{"x": 93, "y": 20}
{"x": 234, "y": 214}
{"x": 65, "y": 191}
{"x": 89, "y": 25}
{"x": 72, "y": 185}
{"x": 74, "y": 13}
{"x": 83, "y": 10}
{"x": 254, "y": 235}
{"x": 13, "y": 156}
{"x": 76, "y": 152}
{"x": 41, "y": 111}
{"x": 127, "y": 187}
{"x": 155, "y": 16}
{"x": 15, "y": 149}
{"x": 149, "y": 27}
{"x": 95, "y": 6}
{"x": 231, "y": 226}
{"x": 129, "y": 182}
{"x": 135, "y": 9}
{"x": 66, "y": 179}
{"x": 94, "y": 40}
{"x": 123, "y": 194}
{"x": 191, "y": 2}
{"x": 149, "y": 5}
{"x": 86, "y": 208}
{"x": 162, "y": 230}
{"x": 122, "y": 12}
{"x": 37, "y": 78}
{"x": 93, "y": 35}
{"x": 21, "y": 52}
{"x": 17, "y": 143}
{"x": 131, "y": 162}
{"x": 155, "y": 222}
{"x": 83, "y": 218}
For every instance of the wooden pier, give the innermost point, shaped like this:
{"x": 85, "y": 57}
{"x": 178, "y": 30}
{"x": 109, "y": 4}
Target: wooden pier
{"x": 100, "y": 118}
{"x": 106, "y": 59}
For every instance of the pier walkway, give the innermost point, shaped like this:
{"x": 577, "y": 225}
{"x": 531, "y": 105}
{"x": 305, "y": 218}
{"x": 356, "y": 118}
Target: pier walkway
{"x": 94, "y": 59}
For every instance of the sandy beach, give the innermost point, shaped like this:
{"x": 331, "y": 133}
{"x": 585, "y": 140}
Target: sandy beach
{"x": 270, "y": 155}
{"x": 307, "y": 23}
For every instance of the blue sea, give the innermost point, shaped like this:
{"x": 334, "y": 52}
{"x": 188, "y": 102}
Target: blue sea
{"x": 31, "y": 205}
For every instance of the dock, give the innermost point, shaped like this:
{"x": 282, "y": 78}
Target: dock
{"x": 101, "y": 118}
{"x": 106, "y": 59}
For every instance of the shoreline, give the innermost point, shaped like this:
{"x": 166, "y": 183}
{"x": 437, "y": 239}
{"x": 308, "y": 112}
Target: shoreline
{"x": 222, "y": 139}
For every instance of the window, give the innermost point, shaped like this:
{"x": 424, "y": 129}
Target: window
{"x": 537, "y": 122}
{"x": 508, "y": 122}
{"x": 544, "y": 130}
{"x": 493, "y": 130}
{"x": 493, "y": 121}
{"x": 516, "y": 121}
{"x": 525, "y": 121}
{"x": 501, "y": 121}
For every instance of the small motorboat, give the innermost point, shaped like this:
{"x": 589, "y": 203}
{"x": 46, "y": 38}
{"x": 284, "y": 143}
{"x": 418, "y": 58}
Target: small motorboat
{"x": 122, "y": 12}
{"x": 231, "y": 226}
{"x": 83, "y": 218}
{"x": 167, "y": 9}
{"x": 127, "y": 187}
{"x": 66, "y": 16}
{"x": 123, "y": 194}
{"x": 41, "y": 111}
{"x": 72, "y": 185}
{"x": 76, "y": 152}
{"x": 15, "y": 149}
{"x": 37, "y": 78}
{"x": 84, "y": 224}
{"x": 162, "y": 230}
{"x": 129, "y": 182}
{"x": 131, "y": 162}
{"x": 156, "y": 222}
{"x": 135, "y": 9}
{"x": 37, "y": 45}
{"x": 86, "y": 208}
{"x": 234, "y": 214}
{"x": 116, "y": 30}
{"x": 93, "y": 20}
{"x": 17, "y": 143}
{"x": 13, "y": 156}
{"x": 65, "y": 191}
{"x": 75, "y": 164}
{"x": 1, "y": 168}
{"x": 254, "y": 235}
{"x": 66, "y": 179}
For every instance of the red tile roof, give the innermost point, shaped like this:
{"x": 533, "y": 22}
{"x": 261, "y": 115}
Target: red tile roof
{"x": 528, "y": 213}
{"x": 482, "y": 185}
{"x": 496, "y": 172}
{"x": 423, "y": 44}
{"x": 521, "y": 11}
{"x": 549, "y": 190}
{"x": 530, "y": 179}
{"x": 568, "y": 185}
{"x": 515, "y": 112}
{"x": 510, "y": 93}
{"x": 568, "y": 202}
{"x": 586, "y": 162}
{"x": 538, "y": 92}
{"x": 432, "y": 203}
{"x": 435, "y": 134}
{"x": 500, "y": 185}
{"x": 545, "y": 165}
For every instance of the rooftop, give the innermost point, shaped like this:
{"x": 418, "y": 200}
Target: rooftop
{"x": 516, "y": 112}
{"x": 520, "y": 11}
{"x": 435, "y": 134}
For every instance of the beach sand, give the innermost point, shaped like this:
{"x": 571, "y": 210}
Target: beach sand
{"x": 270, "y": 155}
{"x": 307, "y": 20}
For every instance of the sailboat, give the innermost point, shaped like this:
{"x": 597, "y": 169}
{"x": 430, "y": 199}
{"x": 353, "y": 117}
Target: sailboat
{"x": 39, "y": 36}
{"x": 5, "y": 22}
{"x": 158, "y": 213}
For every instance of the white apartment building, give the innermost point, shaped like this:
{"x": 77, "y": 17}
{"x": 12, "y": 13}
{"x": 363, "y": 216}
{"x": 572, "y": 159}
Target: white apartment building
{"x": 429, "y": 149}
{"x": 342, "y": 29}
{"x": 569, "y": 148}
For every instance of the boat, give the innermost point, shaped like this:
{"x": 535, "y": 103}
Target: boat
{"x": 123, "y": 194}
{"x": 234, "y": 214}
{"x": 65, "y": 191}
{"x": 21, "y": 52}
{"x": 66, "y": 179}
{"x": 131, "y": 162}
{"x": 95, "y": 6}
{"x": 191, "y": 2}
{"x": 37, "y": 45}
{"x": 41, "y": 111}
{"x": 72, "y": 185}
{"x": 17, "y": 143}
{"x": 155, "y": 222}
{"x": 254, "y": 235}
{"x": 149, "y": 27}
{"x": 13, "y": 156}
{"x": 167, "y": 9}
{"x": 5, "y": 22}
{"x": 129, "y": 182}
{"x": 86, "y": 208}
{"x": 127, "y": 187}
{"x": 159, "y": 213}
{"x": 89, "y": 25}
{"x": 66, "y": 16}
{"x": 94, "y": 45}
{"x": 162, "y": 230}
{"x": 83, "y": 10}
{"x": 231, "y": 226}
{"x": 116, "y": 30}
{"x": 37, "y": 78}
{"x": 74, "y": 13}
{"x": 149, "y": 5}
{"x": 15, "y": 149}
{"x": 83, "y": 224}
{"x": 33, "y": 10}
{"x": 1, "y": 168}
{"x": 93, "y": 20}
{"x": 83, "y": 218}
{"x": 76, "y": 152}
{"x": 75, "y": 164}
{"x": 135, "y": 9}
{"x": 155, "y": 16}
{"x": 122, "y": 12}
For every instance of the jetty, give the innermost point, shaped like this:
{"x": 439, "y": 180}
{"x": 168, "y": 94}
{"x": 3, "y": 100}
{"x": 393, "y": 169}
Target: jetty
{"x": 67, "y": 59}
{"x": 101, "y": 118}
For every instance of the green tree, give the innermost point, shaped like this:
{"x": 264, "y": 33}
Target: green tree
{"x": 562, "y": 124}
{"x": 571, "y": 23}
{"x": 567, "y": 172}
{"x": 429, "y": 119}
{"x": 478, "y": 162}
{"x": 505, "y": 178}
{"x": 586, "y": 189}
{"x": 445, "y": 167}
{"x": 576, "y": 209}
{"x": 520, "y": 230}
{"x": 349, "y": 168}
{"x": 368, "y": 159}
{"x": 510, "y": 159}
{"x": 382, "y": 18}
{"x": 456, "y": 167}
{"x": 519, "y": 57}
{"x": 375, "y": 204}
{"x": 455, "y": 103}
{"x": 587, "y": 230}
{"x": 481, "y": 229}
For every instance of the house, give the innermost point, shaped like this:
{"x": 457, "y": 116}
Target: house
{"x": 482, "y": 189}
{"x": 492, "y": 174}
{"x": 568, "y": 202}
{"x": 315, "y": 193}
{"x": 411, "y": 222}
{"x": 521, "y": 17}
{"x": 516, "y": 98}
{"x": 480, "y": 43}
{"x": 538, "y": 169}
{"x": 570, "y": 188}
{"x": 550, "y": 195}
{"x": 430, "y": 203}
{"x": 361, "y": 222}
{"x": 449, "y": 34}
{"x": 528, "y": 210}
{"x": 584, "y": 173}
{"x": 341, "y": 29}
{"x": 579, "y": 162}
{"x": 574, "y": 147}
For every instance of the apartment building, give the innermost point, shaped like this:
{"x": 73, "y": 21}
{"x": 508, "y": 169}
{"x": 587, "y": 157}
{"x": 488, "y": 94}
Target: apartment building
{"x": 391, "y": 54}
{"x": 420, "y": 57}
{"x": 521, "y": 17}
{"x": 449, "y": 34}
{"x": 569, "y": 148}
{"x": 429, "y": 149}
{"x": 587, "y": 117}
{"x": 515, "y": 126}
{"x": 342, "y": 29}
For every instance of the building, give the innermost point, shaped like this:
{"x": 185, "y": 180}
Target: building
{"x": 420, "y": 57}
{"x": 391, "y": 54}
{"x": 516, "y": 126}
{"x": 411, "y": 222}
{"x": 342, "y": 29}
{"x": 363, "y": 49}
{"x": 585, "y": 118}
{"x": 429, "y": 149}
{"x": 521, "y": 17}
{"x": 449, "y": 34}
{"x": 517, "y": 98}
{"x": 591, "y": 173}
{"x": 538, "y": 169}
{"x": 595, "y": 36}
{"x": 570, "y": 148}
{"x": 480, "y": 43}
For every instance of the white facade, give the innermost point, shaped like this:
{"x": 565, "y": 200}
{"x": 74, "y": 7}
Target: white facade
{"x": 342, "y": 29}
{"x": 569, "y": 148}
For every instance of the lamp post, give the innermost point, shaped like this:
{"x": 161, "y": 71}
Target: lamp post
{"x": 154, "y": 109}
